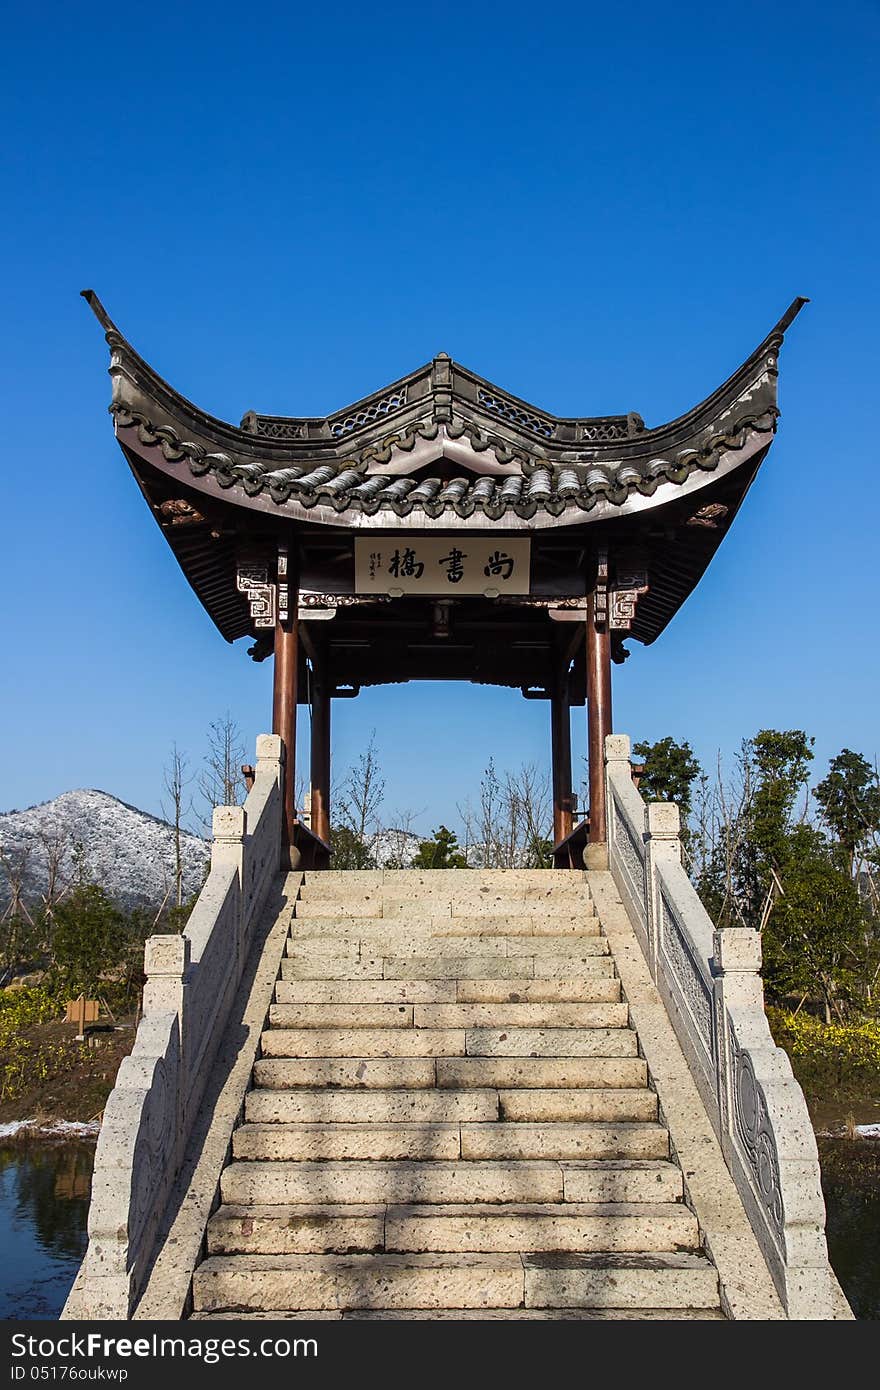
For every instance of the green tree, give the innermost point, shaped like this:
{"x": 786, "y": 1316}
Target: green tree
{"x": 751, "y": 841}
{"x": 669, "y": 774}
{"x": 442, "y": 852}
{"x": 849, "y": 801}
{"x": 90, "y": 938}
{"x": 813, "y": 942}
{"x": 349, "y": 850}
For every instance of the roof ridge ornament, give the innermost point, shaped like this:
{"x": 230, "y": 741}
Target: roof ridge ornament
{"x": 441, "y": 387}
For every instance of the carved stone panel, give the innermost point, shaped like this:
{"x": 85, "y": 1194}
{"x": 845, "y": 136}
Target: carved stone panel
{"x": 688, "y": 976}
{"x": 755, "y": 1133}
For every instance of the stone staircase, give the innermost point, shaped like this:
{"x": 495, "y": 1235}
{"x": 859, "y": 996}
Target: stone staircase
{"x": 450, "y": 1118}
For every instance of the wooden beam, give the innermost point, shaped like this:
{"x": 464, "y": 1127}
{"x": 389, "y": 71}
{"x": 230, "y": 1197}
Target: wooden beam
{"x": 320, "y": 752}
{"x": 599, "y": 724}
{"x": 284, "y": 691}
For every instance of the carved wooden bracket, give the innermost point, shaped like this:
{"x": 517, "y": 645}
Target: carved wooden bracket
{"x": 252, "y": 579}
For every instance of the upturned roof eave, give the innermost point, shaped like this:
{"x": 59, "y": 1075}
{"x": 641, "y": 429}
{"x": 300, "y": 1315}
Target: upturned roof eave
{"x": 135, "y": 378}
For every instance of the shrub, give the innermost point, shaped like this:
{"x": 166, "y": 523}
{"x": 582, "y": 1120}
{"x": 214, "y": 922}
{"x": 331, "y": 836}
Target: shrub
{"x": 830, "y": 1058}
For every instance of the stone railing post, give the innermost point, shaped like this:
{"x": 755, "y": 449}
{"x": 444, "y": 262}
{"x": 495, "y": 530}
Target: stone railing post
{"x": 270, "y": 755}
{"x": 229, "y": 828}
{"x": 166, "y": 965}
{"x": 617, "y": 762}
{"x": 617, "y": 750}
{"x": 738, "y": 989}
{"x": 662, "y": 846}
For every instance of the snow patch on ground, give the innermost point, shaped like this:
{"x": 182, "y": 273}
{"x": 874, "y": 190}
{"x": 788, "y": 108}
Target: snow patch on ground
{"x": 51, "y": 1129}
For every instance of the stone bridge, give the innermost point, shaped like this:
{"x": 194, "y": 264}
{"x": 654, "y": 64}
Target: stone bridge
{"x": 508, "y": 1094}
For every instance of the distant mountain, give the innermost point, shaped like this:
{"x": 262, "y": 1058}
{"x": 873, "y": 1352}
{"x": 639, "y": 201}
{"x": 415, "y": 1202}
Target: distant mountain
{"x": 395, "y": 849}
{"x": 127, "y": 851}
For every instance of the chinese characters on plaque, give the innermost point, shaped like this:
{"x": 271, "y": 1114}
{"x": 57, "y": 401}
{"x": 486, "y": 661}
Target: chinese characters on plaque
{"x": 463, "y": 565}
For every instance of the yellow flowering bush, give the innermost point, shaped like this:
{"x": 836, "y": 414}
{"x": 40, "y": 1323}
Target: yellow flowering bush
{"x": 22, "y": 1062}
{"x": 829, "y": 1054}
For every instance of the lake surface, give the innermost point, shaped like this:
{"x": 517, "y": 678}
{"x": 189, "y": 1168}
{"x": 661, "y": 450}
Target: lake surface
{"x": 44, "y": 1200}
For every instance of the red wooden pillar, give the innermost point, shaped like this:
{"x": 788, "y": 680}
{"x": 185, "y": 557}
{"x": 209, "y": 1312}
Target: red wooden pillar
{"x": 320, "y": 755}
{"x": 284, "y": 692}
{"x": 560, "y": 743}
{"x": 598, "y": 716}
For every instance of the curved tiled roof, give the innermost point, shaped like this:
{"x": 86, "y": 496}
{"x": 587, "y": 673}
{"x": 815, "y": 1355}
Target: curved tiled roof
{"x": 347, "y": 485}
{"x": 443, "y": 445}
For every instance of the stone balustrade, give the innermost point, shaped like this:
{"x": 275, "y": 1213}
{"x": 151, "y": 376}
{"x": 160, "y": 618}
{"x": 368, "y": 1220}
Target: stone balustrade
{"x": 711, "y": 986}
{"x": 191, "y": 981}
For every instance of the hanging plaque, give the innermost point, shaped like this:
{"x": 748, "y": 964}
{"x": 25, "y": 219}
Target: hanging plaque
{"x": 461, "y": 565}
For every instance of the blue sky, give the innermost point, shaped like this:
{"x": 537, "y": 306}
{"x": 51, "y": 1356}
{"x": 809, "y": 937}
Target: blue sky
{"x": 599, "y": 208}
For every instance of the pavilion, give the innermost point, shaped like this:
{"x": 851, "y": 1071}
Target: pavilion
{"x": 442, "y": 529}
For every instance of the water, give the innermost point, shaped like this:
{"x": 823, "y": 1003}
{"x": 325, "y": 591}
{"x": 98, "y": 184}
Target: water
{"x": 44, "y": 1201}
{"x": 851, "y": 1184}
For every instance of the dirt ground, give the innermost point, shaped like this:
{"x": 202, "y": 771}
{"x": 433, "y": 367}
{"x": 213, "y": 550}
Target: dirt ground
{"x": 80, "y": 1075}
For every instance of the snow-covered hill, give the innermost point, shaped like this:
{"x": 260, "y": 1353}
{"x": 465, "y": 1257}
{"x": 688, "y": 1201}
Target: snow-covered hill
{"x": 127, "y": 851}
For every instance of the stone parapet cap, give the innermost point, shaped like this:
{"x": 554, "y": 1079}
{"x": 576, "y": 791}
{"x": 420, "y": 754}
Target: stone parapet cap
{"x": 737, "y": 950}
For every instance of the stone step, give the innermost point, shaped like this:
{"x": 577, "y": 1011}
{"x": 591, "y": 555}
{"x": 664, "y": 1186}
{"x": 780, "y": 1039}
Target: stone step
{"x": 365, "y": 1042}
{"x": 579, "y": 924}
{"x": 283, "y": 1015}
{"x": 539, "y": 1042}
{"x": 590, "y": 991}
{"x": 489, "y": 1140}
{"x": 357, "y": 948}
{"x": 376, "y": 1107}
{"x": 481, "y": 1227}
{"x": 625, "y": 1281}
{"x": 518, "y": 1140}
{"x": 353, "y": 969}
{"x": 283, "y": 1183}
{"x": 271, "y": 1282}
{"x": 434, "y": 1016}
{"x": 505, "y": 1314}
{"x": 314, "y": 1142}
{"x": 623, "y": 1180}
{"x": 572, "y": 907}
{"x": 346, "y": 1073}
{"x": 375, "y": 991}
{"x": 429, "y": 947}
{"x": 552, "y": 1015}
{"x": 531, "y": 1227}
{"x": 396, "y": 929}
{"x": 421, "y": 882}
{"x": 550, "y": 1106}
{"x": 602, "y": 990}
{"x": 563, "y": 967}
{"x": 345, "y": 966}
{"x": 418, "y": 878}
{"x": 542, "y": 1073}
{"x": 436, "y": 909}
{"x": 342, "y": 1015}
{"x": 551, "y": 890}
{"x": 346, "y": 1181}
{"x": 459, "y": 967}
{"x": 297, "y": 1230}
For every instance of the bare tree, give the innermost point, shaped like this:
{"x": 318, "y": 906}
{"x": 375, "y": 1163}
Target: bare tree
{"x": 360, "y": 795}
{"x": 18, "y": 930}
{"x": 176, "y": 780}
{"x": 55, "y": 842}
{"x": 220, "y": 781}
{"x": 511, "y": 827}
